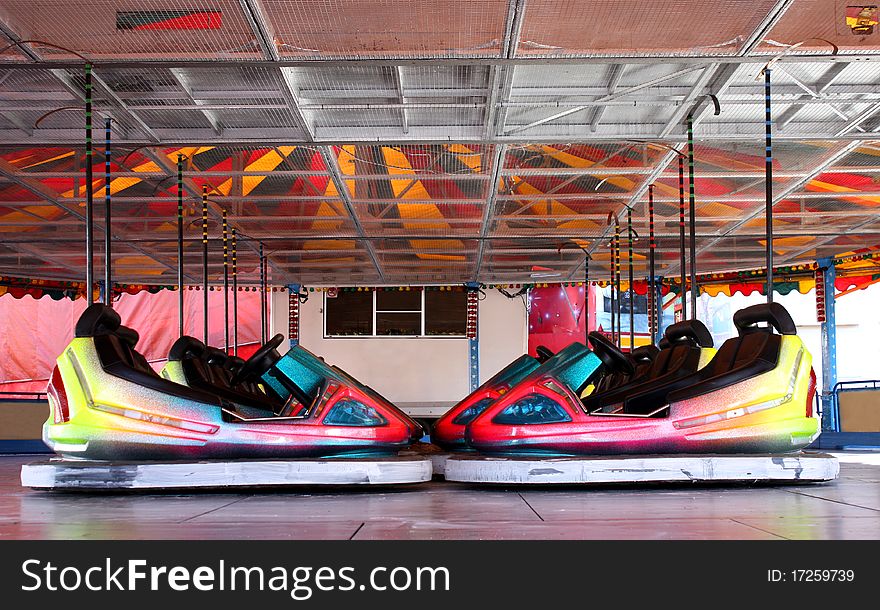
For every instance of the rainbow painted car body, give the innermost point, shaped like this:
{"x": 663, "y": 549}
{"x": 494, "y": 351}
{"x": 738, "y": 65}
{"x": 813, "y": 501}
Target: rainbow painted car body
{"x": 108, "y": 404}
{"x": 755, "y": 395}
{"x": 448, "y": 431}
{"x": 573, "y": 366}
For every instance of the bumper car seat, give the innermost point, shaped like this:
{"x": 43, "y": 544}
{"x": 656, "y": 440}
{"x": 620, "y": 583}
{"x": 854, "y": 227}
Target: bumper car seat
{"x": 689, "y": 347}
{"x": 754, "y": 352}
{"x": 205, "y": 368}
{"x": 114, "y": 345}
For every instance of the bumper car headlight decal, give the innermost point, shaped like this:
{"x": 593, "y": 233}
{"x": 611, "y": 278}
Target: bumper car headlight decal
{"x": 533, "y": 409}
{"x": 469, "y": 414}
{"x": 350, "y": 412}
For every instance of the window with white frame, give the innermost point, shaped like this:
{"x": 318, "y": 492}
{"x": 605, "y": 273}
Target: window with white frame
{"x": 395, "y": 313}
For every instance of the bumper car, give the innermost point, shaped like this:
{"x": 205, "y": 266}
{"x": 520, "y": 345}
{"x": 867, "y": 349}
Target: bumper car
{"x": 448, "y": 431}
{"x": 754, "y": 395}
{"x": 107, "y": 403}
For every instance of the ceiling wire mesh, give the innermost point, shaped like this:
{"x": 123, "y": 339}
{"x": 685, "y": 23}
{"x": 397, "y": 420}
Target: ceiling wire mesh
{"x": 114, "y": 29}
{"x": 399, "y": 142}
{"x": 386, "y": 28}
{"x": 816, "y": 24}
{"x": 630, "y": 27}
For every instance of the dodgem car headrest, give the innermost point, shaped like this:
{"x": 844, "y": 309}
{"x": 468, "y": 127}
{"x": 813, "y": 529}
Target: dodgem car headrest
{"x": 186, "y": 347}
{"x": 645, "y": 353}
{"x": 747, "y": 320}
{"x": 96, "y": 320}
{"x": 129, "y": 335}
{"x": 234, "y": 363}
{"x": 689, "y": 330}
{"x": 216, "y": 356}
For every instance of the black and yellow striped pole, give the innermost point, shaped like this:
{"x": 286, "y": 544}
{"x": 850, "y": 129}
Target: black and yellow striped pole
{"x": 653, "y": 309}
{"x": 225, "y": 283}
{"x": 768, "y": 185}
{"x": 611, "y": 284}
{"x": 234, "y": 293}
{"x": 90, "y": 203}
{"x": 631, "y": 292}
{"x": 205, "y": 255}
{"x": 617, "y": 302}
{"x": 692, "y": 220}
{"x": 682, "y": 262}
{"x": 263, "y": 313}
{"x": 586, "y": 297}
{"x": 180, "y": 245}
{"x": 108, "y": 255}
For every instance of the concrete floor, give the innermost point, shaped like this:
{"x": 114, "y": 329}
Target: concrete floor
{"x": 844, "y": 509}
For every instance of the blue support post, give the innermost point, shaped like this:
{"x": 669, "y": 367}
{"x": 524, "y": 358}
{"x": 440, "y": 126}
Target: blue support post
{"x": 293, "y": 314}
{"x": 830, "y": 422}
{"x": 473, "y": 333}
{"x": 474, "y": 358}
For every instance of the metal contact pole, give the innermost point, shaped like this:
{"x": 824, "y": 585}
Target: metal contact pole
{"x": 631, "y": 292}
{"x": 205, "y": 256}
{"x": 653, "y": 322}
{"x": 266, "y": 294}
{"x": 90, "y": 203}
{"x": 108, "y": 255}
{"x": 262, "y": 295}
{"x": 617, "y": 278}
{"x": 693, "y": 218}
{"x": 180, "y": 245}
{"x": 234, "y": 294}
{"x": 586, "y": 297}
{"x": 225, "y": 283}
{"x": 682, "y": 262}
{"x": 768, "y": 185}
{"x": 611, "y": 284}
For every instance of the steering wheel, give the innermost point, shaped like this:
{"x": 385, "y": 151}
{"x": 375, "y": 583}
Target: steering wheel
{"x": 543, "y": 353}
{"x": 610, "y": 354}
{"x": 260, "y": 362}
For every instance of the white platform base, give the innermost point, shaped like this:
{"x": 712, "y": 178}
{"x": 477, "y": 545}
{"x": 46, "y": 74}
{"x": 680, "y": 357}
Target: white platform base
{"x": 84, "y": 475}
{"x": 437, "y": 456}
{"x": 439, "y": 462}
{"x": 641, "y": 469}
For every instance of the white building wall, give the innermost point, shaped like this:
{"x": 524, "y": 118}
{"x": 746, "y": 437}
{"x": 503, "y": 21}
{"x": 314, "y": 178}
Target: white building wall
{"x": 408, "y": 369}
{"x": 858, "y": 328}
{"x": 413, "y": 369}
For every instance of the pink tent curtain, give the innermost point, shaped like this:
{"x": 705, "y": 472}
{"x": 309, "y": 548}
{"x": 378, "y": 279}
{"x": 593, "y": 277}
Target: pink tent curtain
{"x": 34, "y": 331}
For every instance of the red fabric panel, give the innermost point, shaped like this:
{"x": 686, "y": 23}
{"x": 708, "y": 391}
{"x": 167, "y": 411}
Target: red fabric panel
{"x": 556, "y": 317}
{"x": 852, "y": 281}
{"x": 36, "y": 331}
